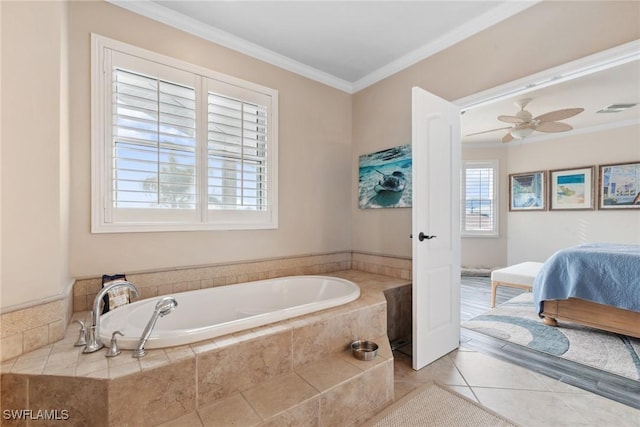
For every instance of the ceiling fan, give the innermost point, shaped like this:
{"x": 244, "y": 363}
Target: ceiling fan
{"x": 524, "y": 123}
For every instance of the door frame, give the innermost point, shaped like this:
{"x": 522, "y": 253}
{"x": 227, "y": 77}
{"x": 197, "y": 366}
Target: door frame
{"x": 600, "y": 61}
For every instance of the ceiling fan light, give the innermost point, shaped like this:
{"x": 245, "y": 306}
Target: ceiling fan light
{"x": 521, "y": 133}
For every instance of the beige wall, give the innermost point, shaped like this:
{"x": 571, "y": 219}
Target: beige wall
{"x": 534, "y": 236}
{"x": 45, "y": 221}
{"x": 46, "y": 211}
{"x": 545, "y": 35}
{"x": 314, "y": 158}
{"x": 34, "y": 168}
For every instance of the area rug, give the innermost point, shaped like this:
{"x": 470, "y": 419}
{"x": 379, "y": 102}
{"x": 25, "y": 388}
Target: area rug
{"x": 517, "y": 322}
{"x": 434, "y": 405}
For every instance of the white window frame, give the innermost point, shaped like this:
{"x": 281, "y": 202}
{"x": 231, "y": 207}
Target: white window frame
{"x": 474, "y": 164}
{"x": 105, "y": 218}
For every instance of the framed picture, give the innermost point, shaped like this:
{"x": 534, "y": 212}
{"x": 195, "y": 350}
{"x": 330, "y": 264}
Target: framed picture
{"x": 619, "y": 186}
{"x": 385, "y": 178}
{"x": 571, "y": 189}
{"x": 527, "y": 191}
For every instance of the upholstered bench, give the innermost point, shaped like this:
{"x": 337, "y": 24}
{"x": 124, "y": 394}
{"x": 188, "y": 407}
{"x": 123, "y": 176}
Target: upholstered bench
{"x": 519, "y": 276}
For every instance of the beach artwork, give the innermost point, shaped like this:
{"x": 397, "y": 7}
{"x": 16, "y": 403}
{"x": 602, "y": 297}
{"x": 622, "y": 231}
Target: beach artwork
{"x": 385, "y": 178}
{"x": 620, "y": 186}
{"x": 527, "y": 191}
{"x": 571, "y": 189}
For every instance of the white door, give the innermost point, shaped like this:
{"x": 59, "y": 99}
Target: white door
{"x": 436, "y": 227}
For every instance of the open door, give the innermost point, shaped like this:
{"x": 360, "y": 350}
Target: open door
{"x": 436, "y": 227}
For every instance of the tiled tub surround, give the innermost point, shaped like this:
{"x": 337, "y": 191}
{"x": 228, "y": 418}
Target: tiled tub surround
{"x": 24, "y": 329}
{"x": 157, "y": 283}
{"x": 400, "y": 268}
{"x": 295, "y": 371}
{"x": 399, "y": 320}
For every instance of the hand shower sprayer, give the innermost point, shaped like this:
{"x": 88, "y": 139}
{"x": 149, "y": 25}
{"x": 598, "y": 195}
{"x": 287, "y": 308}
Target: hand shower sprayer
{"x": 165, "y": 306}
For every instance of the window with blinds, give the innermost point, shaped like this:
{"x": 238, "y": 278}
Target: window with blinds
{"x": 154, "y": 144}
{"x": 479, "y": 197}
{"x": 178, "y": 147}
{"x": 237, "y": 154}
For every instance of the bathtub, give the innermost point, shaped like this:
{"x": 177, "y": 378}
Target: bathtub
{"x": 209, "y": 313}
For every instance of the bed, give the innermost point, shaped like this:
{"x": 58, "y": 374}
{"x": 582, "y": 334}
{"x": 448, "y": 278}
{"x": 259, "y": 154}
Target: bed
{"x": 595, "y": 284}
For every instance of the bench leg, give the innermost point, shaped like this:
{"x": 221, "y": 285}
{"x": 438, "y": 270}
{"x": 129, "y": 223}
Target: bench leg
{"x": 494, "y": 286}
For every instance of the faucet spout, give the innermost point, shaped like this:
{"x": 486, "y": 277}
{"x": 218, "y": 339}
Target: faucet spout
{"x": 93, "y": 341}
{"x": 165, "y": 306}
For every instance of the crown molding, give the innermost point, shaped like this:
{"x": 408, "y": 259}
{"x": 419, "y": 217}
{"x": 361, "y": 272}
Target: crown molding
{"x": 189, "y": 25}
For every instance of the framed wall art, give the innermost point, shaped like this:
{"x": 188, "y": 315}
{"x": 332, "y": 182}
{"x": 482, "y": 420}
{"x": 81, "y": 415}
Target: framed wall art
{"x": 527, "y": 191}
{"x": 571, "y": 189}
{"x": 385, "y": 178}
{"x": 619, "y": 186}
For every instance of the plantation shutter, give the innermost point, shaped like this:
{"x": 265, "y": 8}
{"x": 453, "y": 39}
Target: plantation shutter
{"x": 237, "y": 154}
{"x": 479, "y": 204}
{"x": 177, "y": 147}
{"x": 154, "y": 142}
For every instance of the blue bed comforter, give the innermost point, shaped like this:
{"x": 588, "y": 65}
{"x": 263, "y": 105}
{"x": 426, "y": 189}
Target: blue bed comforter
{"x": 600, "y": 272}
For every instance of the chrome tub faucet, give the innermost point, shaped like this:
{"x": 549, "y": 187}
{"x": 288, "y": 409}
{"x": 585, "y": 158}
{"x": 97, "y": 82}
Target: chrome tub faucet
{"x": 93, "y": 332}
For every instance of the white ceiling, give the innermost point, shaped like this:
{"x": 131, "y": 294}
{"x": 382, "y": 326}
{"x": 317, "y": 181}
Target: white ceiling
{"x": 350, "y": 45}
{"x": 345, "y": 44}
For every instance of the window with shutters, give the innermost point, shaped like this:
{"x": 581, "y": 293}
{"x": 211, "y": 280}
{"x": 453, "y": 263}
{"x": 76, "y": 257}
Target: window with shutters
{"x": 479, "y": 198}
{"x": 178, "y": 147}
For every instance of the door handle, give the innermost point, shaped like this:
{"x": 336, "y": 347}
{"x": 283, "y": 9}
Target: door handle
{"x": 423, "y": 236}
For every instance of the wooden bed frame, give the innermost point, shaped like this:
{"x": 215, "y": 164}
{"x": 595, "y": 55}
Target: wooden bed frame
{"x": 594, "y": 315}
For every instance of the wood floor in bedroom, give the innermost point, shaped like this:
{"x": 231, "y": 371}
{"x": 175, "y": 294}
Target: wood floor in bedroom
{"x": 523, "y": 395}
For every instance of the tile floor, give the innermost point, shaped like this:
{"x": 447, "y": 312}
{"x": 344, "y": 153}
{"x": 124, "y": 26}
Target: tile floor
{"x": 525, "y": 397}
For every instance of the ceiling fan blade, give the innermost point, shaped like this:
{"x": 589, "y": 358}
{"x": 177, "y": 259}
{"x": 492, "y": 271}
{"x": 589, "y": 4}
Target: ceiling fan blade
{"x": 554, "y": 127}
{"x": 507, "y": 137}
{"x": 510, "y": 119}
{"x": 487, "y": 131}
{"x": 554, "y": 116}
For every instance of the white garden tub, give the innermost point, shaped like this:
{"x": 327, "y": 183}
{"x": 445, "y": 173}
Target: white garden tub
{"x": 209, "y": 313}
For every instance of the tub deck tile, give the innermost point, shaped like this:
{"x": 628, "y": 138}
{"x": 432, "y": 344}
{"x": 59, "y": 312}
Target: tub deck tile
{"x": 179, "y": 353}
{"x": 154, "y": 359}
{"x": 305, "y": 414}
{"x": 279, "y": 394}
{"x": 328, "y": 372}
{"x": 154, "y": 396}
{"x": 31, "y": 366}
{"x": 191, "y": 420}
{"x": 230, "y": 369}
{"x": 124, "y": 369}
{"x": 358, "y": 400}
{"x": 204, "y": 346}
{"x": 230, "y": 411}
{"x": 274, "y": 328}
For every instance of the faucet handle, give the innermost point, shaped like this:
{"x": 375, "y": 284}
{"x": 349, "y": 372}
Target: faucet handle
{"x": 82, "y": 337}
{"x": 113, "y": 348}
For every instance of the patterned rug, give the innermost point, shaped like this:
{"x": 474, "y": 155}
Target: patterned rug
{"x": 516, "y": 321}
